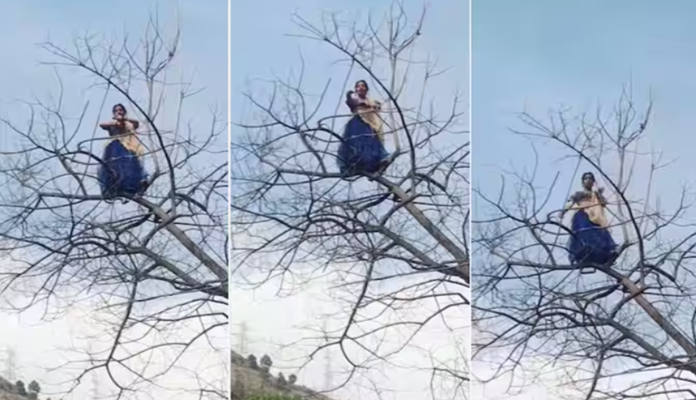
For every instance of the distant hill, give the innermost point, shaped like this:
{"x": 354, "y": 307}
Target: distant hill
{"x": 7, "y": 391}
{"x": 249, "y": 380}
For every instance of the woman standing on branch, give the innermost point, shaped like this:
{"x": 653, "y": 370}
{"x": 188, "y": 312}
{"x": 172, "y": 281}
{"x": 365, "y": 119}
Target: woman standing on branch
{"x": 362, "y": 148}
{"x": 591, "y": 241}
{"x": 122, "y": 172}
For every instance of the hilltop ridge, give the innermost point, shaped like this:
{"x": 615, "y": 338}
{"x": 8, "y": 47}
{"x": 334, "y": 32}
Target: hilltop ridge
{"x": 250, "y": 377}
{"x": 8, "y": 391}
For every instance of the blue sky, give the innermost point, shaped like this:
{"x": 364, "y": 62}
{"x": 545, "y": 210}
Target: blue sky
{"x": 260, "y": 47}
{"x": 537, "y": 56}
{"x": 204, "y": 41}
{"x": 261, "y": 50}
{"x": 540, "y": 55}
{"x": 203, "y": 58}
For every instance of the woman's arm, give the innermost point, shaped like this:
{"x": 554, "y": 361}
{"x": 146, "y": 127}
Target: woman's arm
{"x": 600, "y": 197}
{"x": 574, "y": 199}
{"x": 350, "y": 100}
{"x": 353, "y": 101}
{"x": 108, "y": 124}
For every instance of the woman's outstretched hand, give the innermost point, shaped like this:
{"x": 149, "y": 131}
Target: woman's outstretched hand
{"x": 561, "y": 214}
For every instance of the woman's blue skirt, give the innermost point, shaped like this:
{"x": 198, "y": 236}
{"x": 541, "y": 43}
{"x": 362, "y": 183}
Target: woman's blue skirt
{"x": 360, "y": 150}
{"x": 122, "y": 173}
{"x": 590, "y": 243}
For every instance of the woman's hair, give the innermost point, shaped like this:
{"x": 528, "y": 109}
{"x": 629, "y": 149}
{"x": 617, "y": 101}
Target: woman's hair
{"x": 364, "y": 83}
{"x": 113, "y": 109}
{"x": 586, "y": 175}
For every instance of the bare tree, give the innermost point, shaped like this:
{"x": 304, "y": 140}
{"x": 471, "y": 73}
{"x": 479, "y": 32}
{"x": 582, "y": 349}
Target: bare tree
{"x": 623, "y": 331}
{"x": 394, "y": 245}
{"x": 153, "y": 267}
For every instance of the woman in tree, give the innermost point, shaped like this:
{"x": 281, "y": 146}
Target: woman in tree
{"x": 122, "y": 172}
{"x": 362, "y": 148}
{"x": 591, "y": 241}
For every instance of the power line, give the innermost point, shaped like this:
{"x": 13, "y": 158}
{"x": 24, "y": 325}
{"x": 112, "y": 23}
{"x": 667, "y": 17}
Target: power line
{"x": 243, "y": 338}
{"x": 328, "y": 376}
{"x": 95, "y": 385}
{"x": 10, "y": 364}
